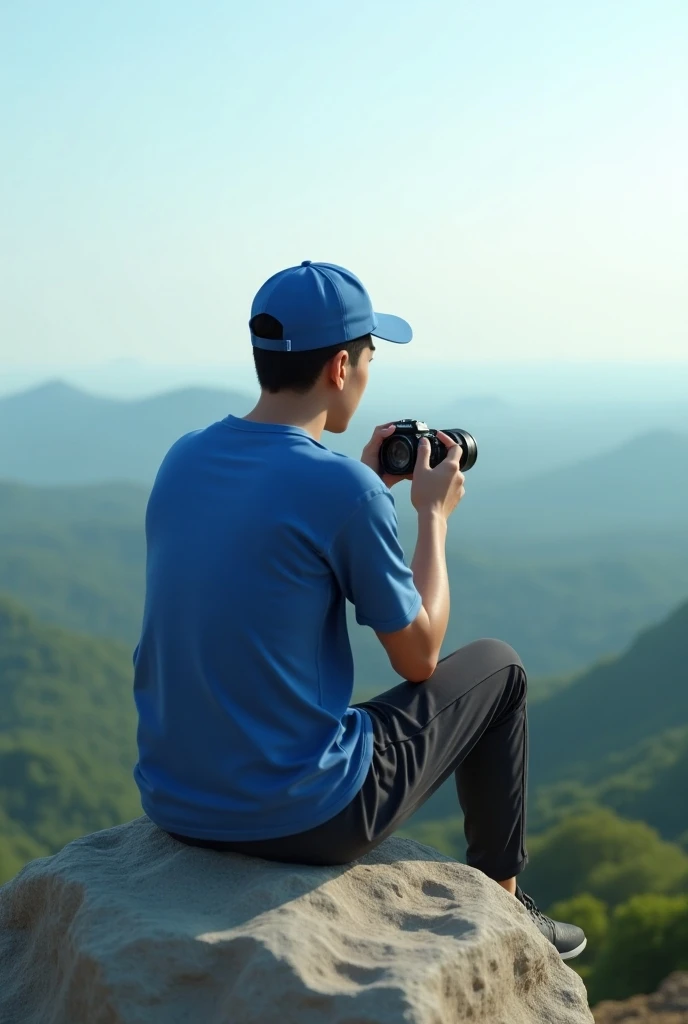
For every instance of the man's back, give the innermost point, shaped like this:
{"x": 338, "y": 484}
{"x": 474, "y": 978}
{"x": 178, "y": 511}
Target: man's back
{"x": 256, "y": 535}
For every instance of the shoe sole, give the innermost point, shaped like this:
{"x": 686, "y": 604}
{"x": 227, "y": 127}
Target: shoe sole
{"x": 574, "y": 952}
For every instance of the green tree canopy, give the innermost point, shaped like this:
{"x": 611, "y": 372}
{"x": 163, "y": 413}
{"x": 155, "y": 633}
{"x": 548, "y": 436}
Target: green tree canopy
{"x": 67, "y": 737}
{"x": 604, "y": 855}
{"x": 647, "y": 939}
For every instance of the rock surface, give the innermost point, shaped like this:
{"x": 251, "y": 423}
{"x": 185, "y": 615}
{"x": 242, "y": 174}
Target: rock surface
{"x": 668, "y": 1005}
{"x": 127, "y": 926}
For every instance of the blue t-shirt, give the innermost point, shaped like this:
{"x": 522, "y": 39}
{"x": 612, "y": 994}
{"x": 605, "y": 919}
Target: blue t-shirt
{"x": 257, "y": 535}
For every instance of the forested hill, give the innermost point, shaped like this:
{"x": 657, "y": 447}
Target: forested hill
{"x": 596, "y": 495}
{"x": 67, "y": 736}
{"x": 615, "y": 704}
{"x": 75, "y": 557}
{"x": 615, "y": 736}
{"x": 112, "y": 504}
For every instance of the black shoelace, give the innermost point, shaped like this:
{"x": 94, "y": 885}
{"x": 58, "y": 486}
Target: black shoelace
{"x": 532, "y": 908}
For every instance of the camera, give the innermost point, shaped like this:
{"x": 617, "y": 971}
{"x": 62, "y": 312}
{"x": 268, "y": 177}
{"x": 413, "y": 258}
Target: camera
{"x": 398, "y": 451}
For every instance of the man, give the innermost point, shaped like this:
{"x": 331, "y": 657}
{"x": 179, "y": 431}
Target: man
{"x": 257, "y": 535}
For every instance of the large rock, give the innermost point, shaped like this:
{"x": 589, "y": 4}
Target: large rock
{"x": 127, "y": 926}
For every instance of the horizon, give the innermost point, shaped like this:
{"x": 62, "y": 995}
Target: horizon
{"x": 534, "y": 381}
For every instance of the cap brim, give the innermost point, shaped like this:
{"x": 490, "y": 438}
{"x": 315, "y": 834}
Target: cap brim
{"x": 392, "y": 328}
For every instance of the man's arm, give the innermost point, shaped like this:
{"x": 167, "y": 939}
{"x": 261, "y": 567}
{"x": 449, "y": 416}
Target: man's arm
{"x": 414, "y": 651}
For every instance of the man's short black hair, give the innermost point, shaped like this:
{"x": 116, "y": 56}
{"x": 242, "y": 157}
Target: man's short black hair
{"x": 296, "y": 371}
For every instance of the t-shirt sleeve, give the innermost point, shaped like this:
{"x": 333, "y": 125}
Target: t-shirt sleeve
{"x": 368, "y": 561}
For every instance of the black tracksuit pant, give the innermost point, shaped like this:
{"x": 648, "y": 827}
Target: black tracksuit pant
{"x": 469, "y": 718}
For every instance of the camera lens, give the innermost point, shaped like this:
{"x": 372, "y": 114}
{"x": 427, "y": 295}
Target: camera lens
{"x": 398, "y": 456}
{"x": 469, "y": 447}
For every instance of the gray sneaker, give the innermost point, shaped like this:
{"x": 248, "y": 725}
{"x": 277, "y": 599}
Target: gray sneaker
{"x": 568, "y": 939}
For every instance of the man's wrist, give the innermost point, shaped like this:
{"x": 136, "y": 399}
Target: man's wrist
{"x": 432, "y": 514}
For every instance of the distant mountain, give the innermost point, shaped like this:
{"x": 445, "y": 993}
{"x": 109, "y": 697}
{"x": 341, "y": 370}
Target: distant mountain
{"x": 636, "y": 493}
{"x": 57, "y": 434}
{"x": 67, "y": 736}
{"x": 526, "y": 438}
{"x": 641, "y": 485}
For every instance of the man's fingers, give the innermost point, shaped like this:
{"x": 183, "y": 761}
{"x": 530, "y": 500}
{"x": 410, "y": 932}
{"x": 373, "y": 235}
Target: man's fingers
{"x": 379, "y": 434}
{"x": 454, "y": 450}
{"x": 423, "y": 457}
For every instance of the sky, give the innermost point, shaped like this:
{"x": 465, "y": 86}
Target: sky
{"x": 510, "y": 177}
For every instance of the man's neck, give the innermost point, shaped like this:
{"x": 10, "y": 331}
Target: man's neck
{"x": 291, "y": 409}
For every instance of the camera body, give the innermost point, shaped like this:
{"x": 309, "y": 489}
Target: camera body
{"x": 399, "y": 451}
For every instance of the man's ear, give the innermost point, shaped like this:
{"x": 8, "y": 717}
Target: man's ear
{"x": 339, "y": 367}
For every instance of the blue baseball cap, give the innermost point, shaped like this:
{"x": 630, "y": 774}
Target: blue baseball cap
{"x": 321, "y": 304}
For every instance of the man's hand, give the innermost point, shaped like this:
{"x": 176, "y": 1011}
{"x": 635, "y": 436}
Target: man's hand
{"x": 371, "y": 454}
{"x": 440, "y": 488}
